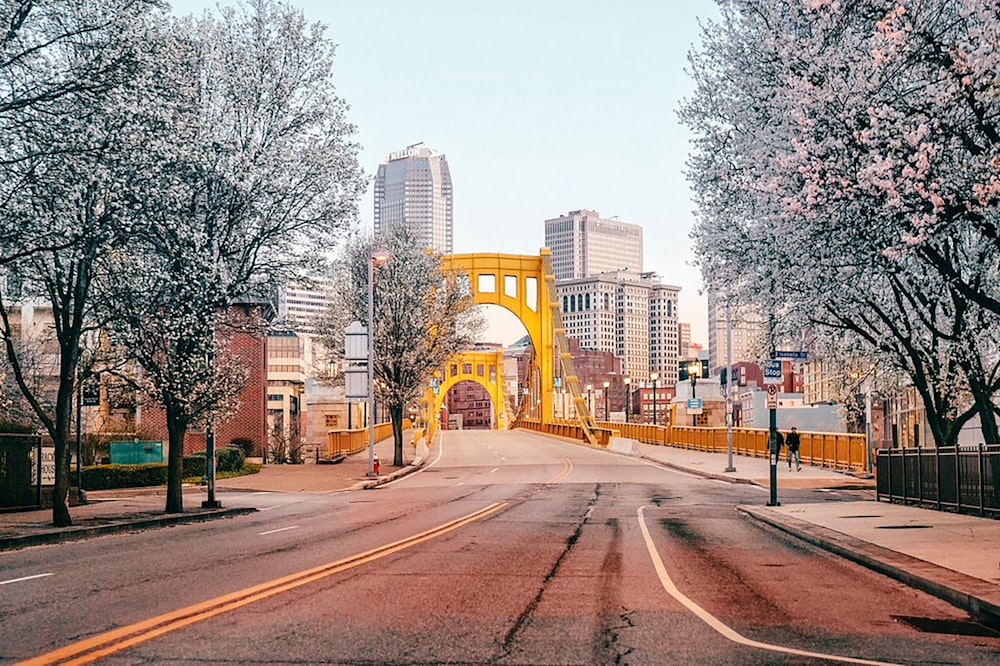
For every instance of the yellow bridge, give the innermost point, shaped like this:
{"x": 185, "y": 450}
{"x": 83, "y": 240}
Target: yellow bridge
{"x": 526, "y": 286}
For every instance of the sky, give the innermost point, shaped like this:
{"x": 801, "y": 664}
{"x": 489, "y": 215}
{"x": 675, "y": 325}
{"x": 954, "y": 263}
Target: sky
{"x": 540, "y": 106}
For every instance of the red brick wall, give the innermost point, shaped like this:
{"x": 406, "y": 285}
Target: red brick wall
{"x": 250, "y": 420}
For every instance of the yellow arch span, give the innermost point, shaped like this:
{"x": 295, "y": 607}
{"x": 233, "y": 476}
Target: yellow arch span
{"x": 525, "y": 285}
{"x": 482, "y": 367}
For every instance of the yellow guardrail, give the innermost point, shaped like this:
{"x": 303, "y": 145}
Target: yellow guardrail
{"x": 568, "y": 429}
{"x": 346, "y": 442}
{"x": 837, "y": 450}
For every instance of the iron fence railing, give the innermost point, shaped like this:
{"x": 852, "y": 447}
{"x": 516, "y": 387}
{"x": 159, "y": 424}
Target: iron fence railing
{"x": 960, "y": 479}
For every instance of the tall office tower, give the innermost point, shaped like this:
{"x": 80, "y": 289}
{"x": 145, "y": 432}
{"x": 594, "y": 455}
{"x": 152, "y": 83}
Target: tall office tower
{"x": 748, "y": 332}
{"x": 413, "y": 188}
{"x": 664, "y": 341}
{"x": 684, "y": 340}
{"x": 584, "y": 244}
{"x": 630, "y": 315}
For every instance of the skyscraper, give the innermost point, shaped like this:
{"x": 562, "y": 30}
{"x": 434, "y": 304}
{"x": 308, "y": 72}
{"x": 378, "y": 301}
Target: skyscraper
{"x": 413, "y": 188}
{"x": 584, "y": 244}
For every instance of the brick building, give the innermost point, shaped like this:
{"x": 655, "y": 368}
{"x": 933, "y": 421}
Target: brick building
{"x": 247, "y": 428}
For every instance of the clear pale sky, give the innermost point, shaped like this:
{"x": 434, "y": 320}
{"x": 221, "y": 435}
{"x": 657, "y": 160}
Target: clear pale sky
{"x": 541, "y": 107}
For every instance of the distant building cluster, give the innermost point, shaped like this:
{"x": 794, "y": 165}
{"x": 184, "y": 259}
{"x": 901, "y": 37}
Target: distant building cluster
{"x": 629, "y": 348}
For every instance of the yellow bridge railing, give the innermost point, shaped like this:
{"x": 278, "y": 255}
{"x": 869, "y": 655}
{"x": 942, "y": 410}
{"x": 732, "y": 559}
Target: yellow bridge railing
{"x": 346, "y": 442}
{"x": 841, "y": 451}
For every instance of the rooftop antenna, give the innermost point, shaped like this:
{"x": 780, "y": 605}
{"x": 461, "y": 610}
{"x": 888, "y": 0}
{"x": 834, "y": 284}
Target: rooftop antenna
{"x": 414, "y": 145}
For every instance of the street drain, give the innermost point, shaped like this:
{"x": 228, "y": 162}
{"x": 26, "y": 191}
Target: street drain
{"x": 903, "y": 527}
{"x": 953, "y": 627}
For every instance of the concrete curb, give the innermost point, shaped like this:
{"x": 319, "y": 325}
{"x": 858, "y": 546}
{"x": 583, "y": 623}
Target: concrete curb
{"x": 57, "y": 535}
{"x": 398, "y": 474}
{"x": 977, "y": 597}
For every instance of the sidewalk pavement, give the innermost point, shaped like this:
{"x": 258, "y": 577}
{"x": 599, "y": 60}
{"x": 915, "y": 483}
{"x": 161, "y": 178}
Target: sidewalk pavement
{"x": 951, "y": 556}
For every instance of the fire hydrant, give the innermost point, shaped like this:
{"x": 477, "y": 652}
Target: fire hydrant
{"x": 375, "y": 465}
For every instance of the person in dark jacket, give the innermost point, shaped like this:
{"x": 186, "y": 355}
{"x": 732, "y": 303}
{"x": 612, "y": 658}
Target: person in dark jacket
{"x": 792, "y": 442}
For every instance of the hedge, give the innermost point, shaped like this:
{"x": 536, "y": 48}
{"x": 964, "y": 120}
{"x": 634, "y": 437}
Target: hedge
{"x": 104, "y": 477}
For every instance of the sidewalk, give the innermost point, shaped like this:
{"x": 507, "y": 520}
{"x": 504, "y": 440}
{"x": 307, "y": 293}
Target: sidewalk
{"x": 129, "y": 509}
{"x": 951, "y": 556}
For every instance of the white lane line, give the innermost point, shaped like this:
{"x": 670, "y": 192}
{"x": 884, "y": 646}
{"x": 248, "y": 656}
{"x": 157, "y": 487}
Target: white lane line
{"x": 717, "y": 624}
{"x": 425, "y": 467}
{"x": 495, "y": 469}
{"x": 280, "y": 529}
{"x": 23, "y": 578}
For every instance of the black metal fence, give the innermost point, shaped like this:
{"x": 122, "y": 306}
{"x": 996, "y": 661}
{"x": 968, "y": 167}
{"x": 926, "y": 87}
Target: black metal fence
{"x": 960, "y": 479}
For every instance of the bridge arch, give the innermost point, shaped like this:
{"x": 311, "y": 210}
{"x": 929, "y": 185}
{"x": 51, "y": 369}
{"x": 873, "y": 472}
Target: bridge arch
{"x": 525, "y": 286}
{"x": 484, "y": 368}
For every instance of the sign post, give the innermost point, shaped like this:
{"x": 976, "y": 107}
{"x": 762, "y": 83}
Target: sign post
{"x": 774, "y": 451}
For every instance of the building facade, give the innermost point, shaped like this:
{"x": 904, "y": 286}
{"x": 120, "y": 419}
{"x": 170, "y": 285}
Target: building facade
{"x": 584, "y": 244}
{"x": 413, "y": 189}
{"x": 748, "y": 333}
{"x": 630, "y": 315}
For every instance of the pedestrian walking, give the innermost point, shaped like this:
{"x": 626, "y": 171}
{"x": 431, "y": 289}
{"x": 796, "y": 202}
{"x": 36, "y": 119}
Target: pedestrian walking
{"x": 792, "y": 441}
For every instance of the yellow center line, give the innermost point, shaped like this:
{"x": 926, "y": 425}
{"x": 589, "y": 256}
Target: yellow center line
{"x": 102, "y": 645}
{"x": 566, "y": 471}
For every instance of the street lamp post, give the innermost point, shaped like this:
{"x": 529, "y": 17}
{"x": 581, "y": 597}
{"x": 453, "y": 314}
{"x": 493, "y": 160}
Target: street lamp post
{"x": 628, "y": 396}
{"x": 590, "y": 401}
{"x": 654, "y": 376}
{"x": 607, "y": 414}
{"x": 376, "y": 259}
{"x": 694, "y": 370}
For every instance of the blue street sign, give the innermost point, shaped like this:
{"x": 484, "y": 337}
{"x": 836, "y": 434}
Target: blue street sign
{"x": 694, "y": 403}
{"x": 772, "y": 372}
{"x": 799, "y": 356}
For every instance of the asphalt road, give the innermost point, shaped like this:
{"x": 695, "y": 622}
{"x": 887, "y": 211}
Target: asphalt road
{"x": 509, "y": 548}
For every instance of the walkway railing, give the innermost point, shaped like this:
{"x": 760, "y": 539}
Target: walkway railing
{"x": 569, "y": 429}
{"x": 961, "y": 479}
{"x": 346, "y": 442}
{"x": 842, "y": 451}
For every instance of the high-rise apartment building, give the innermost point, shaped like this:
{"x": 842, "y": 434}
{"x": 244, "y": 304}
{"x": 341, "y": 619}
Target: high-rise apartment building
{"x": 413, "y": 188}
{"x": 584, "y": 244}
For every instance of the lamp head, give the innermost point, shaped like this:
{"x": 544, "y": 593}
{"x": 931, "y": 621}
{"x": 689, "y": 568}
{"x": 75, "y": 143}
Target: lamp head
{"x": 607, "y": 384}
{"x": 380, "y": 257}
{"x": 654, "y": 376}
{"x": 694, "y": 369}
{"x": 627, "y": 381}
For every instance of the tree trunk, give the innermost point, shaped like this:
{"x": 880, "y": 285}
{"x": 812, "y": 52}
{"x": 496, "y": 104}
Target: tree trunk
{"x": 396, "y": 415}
{"x": 176, "y": 429}
{"x": 60, "y": 440}
{"x": 60, "y": 492}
